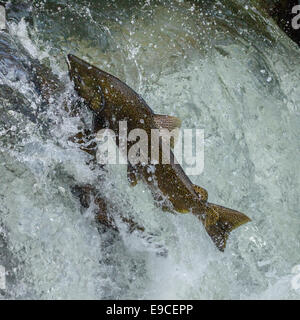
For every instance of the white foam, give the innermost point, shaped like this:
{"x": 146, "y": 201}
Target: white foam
{"x": 251, "y": 164}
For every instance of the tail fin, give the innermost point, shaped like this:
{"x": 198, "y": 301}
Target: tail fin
{"x": 220, "y": 221}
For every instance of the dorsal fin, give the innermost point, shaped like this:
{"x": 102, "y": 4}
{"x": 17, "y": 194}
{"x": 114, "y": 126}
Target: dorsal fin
{"x": 167, "y": 122}
{"x": 201, "y": 192}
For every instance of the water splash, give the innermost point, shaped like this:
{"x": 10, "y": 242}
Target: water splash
{"x": 222, "y": 67}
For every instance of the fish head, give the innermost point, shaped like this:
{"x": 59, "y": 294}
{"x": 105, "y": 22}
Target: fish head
{"x": 86, "y": 82}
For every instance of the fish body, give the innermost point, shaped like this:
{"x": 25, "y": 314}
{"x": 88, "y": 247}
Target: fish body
{"x": 113, "y": 101}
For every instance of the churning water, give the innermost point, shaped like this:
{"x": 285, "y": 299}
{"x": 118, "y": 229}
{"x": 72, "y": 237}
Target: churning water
{"x": 221, "y": 66}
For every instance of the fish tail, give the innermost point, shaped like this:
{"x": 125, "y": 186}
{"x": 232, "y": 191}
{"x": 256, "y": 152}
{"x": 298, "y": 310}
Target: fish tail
{"x": 220, "y": 221}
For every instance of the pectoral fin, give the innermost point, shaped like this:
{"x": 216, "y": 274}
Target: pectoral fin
{"x": 201, "y": 192}
{"x": 86, "y": 142}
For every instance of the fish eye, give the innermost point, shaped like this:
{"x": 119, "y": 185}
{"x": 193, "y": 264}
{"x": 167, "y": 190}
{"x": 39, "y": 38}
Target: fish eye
{"x": 78, "y": 78}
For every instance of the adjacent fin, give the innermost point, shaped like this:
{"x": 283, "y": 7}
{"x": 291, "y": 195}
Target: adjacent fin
{"x": 84, "y": 193}
{"x": 132, "y": 225}
{"x": 132, "y": 175}
{"x": 220, "y": 221}
{"x": 167, "y": 122}
{"x": 86, "y": 142}
{"x": 87, "y": 195}
{"x": 201, "y": 192}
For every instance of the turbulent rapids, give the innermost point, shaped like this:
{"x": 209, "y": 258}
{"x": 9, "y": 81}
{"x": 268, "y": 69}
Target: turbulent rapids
{"x": 223, "y": 66}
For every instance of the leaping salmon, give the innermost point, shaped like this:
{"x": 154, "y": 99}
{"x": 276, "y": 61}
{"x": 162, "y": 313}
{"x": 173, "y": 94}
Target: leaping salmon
{"x": 113, "y": 101}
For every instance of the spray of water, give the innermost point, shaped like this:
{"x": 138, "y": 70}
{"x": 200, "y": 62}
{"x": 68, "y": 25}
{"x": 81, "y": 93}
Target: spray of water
{"x": 234, "y": 75}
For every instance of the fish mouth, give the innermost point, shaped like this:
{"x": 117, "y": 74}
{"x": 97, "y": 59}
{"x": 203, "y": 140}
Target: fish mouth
{"x": 74, "y": 71}
{"x": 72, "y": 61}
{"x": 68, "y": 61}
{"x": 74, "y": 66}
